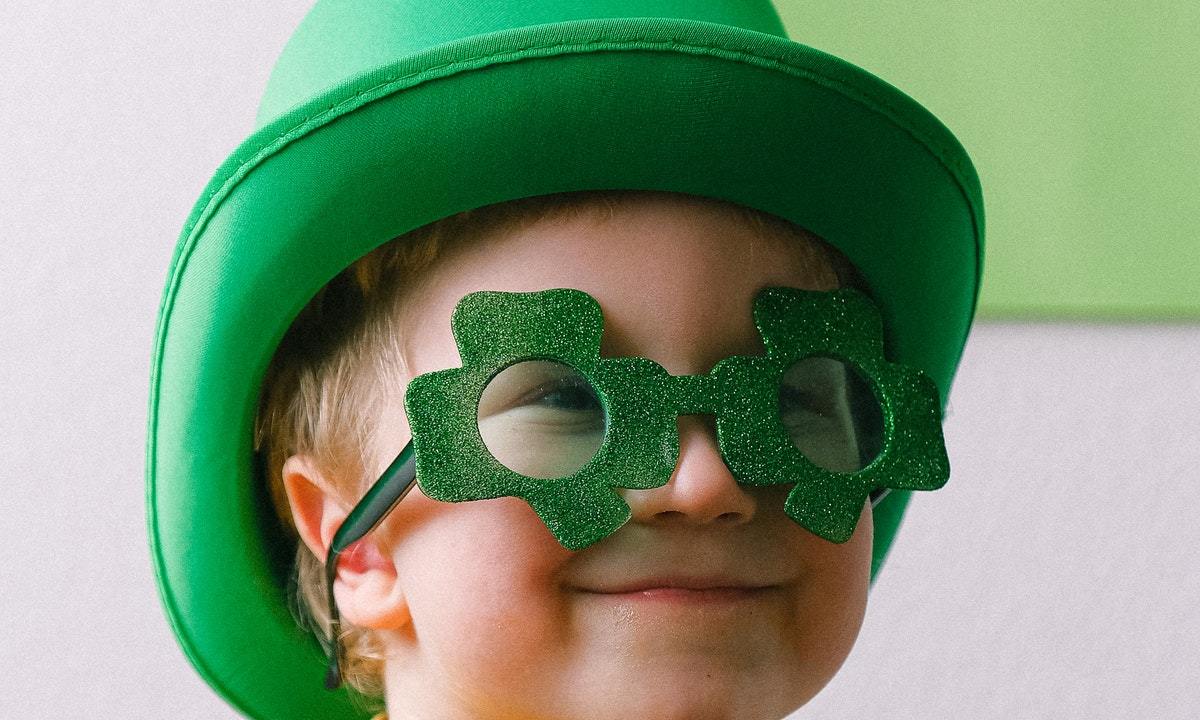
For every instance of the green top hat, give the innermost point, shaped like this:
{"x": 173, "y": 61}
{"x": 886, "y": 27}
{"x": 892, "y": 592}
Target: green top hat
{"x": 385, "y": 115}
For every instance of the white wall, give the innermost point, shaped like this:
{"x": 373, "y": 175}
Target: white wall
{"x": 1052, "y": 578}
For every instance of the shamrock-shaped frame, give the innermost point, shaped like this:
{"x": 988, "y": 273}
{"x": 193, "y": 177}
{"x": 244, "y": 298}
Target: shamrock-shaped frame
{"x": 494, "y": 330}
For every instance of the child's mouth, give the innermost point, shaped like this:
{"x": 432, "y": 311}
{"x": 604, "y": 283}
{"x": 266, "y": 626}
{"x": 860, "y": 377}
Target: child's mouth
{"x": 682, "y": 590}
{"x": 690, "y": 596}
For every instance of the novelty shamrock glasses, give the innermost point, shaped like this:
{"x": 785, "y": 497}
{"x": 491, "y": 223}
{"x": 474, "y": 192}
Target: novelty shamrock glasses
{"x": 535, "y": 412}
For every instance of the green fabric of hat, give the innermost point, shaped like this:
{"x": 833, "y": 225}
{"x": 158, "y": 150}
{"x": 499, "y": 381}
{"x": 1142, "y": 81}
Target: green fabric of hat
{"x": 385, "y": 115}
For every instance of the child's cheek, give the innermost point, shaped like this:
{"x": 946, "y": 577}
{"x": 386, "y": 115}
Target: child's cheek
{"x": 488, "y": 598}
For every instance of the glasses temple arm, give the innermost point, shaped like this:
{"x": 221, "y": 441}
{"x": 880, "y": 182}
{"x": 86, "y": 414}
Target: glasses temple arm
{"x": 384, "y": 495}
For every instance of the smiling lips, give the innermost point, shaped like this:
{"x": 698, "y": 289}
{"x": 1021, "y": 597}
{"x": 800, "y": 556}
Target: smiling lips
{"x": 685, "y": 590}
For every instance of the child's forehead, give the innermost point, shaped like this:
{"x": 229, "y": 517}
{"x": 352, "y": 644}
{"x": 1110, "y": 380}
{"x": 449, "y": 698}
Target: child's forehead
{"x": 666, "y": 247}
{"x": 669, "y": 273}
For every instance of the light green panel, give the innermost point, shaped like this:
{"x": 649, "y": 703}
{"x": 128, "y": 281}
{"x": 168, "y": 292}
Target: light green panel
{"x": 1084, "y": 123}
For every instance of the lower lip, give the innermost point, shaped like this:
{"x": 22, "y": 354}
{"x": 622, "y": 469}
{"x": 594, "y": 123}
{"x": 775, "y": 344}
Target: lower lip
{"x": 686, "y": 596}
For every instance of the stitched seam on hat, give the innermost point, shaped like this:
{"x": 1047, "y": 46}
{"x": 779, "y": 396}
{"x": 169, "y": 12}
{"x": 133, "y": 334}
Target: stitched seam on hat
{"x": 724, "y": 52}
{"x": 388, "y": 85}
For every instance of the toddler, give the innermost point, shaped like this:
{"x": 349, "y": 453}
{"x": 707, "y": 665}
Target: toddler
{"x": 683, "y": 188}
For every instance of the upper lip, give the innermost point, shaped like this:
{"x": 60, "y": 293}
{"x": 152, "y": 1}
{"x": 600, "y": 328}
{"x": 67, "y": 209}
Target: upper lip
{"x": 686, "y": 582}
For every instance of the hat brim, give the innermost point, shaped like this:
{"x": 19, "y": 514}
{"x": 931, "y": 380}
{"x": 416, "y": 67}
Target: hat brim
{"x": 649, "y": 104}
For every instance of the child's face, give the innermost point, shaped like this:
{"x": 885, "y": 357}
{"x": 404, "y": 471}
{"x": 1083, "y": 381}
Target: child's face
{"x": 489, "y": 617}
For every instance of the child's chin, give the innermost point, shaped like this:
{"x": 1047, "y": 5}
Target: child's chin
{"x": 704, "y": 696}
{"x": 704, "y": 689}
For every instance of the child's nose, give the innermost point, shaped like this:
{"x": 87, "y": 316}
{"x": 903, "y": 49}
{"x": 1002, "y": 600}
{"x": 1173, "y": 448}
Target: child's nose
{"x": 701, "y": 489}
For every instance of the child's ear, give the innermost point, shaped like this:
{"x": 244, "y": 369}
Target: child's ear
{"x": 367, "y": 588}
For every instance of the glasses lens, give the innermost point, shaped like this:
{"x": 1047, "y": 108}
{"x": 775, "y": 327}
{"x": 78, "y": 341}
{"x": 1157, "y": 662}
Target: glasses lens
{"x": 830, "y": 413}
{"x": 541, "y": 418}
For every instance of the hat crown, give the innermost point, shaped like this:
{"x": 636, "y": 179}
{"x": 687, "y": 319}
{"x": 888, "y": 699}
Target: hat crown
{"x": 339, "y": 39}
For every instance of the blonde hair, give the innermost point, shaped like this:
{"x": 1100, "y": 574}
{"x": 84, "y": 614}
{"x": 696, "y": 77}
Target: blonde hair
{"x": 323, "y": 390}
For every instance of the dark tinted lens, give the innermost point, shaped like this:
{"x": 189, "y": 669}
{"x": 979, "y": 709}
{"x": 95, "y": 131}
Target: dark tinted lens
{"x": 830, "y": 413}
{"x": 541, "y": 419}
